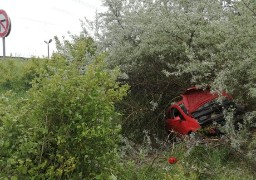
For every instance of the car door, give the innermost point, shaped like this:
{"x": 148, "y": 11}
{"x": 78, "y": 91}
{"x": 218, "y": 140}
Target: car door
{"x": 180, "y": 122}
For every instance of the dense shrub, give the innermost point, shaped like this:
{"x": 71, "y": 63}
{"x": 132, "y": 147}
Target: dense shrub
{"x": 17, "y": 74}
{"x": 67, "y": 127}
{"x": 165, "y": 46}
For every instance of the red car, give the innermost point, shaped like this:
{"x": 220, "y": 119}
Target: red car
{"x": 198, "y": 108}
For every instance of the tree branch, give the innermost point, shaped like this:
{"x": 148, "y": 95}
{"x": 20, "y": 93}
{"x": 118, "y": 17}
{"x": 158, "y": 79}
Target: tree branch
{"x": 248, "y": 7}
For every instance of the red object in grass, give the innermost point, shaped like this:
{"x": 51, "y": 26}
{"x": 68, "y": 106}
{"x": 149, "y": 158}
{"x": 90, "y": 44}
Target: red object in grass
{"x": 197, "y": 108}
{"x": 172, "y": 160}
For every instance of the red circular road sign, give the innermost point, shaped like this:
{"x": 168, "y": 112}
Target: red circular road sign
{"x": 5, "y": 24}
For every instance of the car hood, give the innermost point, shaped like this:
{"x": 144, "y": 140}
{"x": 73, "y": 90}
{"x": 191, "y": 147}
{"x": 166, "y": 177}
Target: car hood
{"x": 194, "y": 98}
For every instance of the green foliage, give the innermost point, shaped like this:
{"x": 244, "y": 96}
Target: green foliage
{"x": 141, "y": 161}
{"x": 141, "y": 39}
{"x": 17, "y": 75}
{"x": 67, "y": 127}
{"x": 217, "y": 161}
{"x": 196, "y": 159}
{"x": 79, "y": 109}
{"x": 165, "y": 46}
{"x": 18, "y": 137}
{"x": 79, "y": 49}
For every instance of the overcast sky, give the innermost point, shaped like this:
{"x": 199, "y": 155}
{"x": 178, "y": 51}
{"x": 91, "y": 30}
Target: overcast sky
{"x": 34, "y": 21}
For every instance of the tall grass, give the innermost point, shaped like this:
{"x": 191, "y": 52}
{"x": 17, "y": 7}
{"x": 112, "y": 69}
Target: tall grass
{"x": 16, "y": 74}
{"x": 208, "y": 160}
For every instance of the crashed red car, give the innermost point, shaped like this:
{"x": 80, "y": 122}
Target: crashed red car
{"x": 198, "y": 108}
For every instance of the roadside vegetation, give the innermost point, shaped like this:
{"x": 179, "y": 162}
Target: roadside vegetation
{"x": 95, "y": 109}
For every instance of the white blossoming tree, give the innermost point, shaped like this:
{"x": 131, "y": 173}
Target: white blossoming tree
{"x": 165, "y": 46}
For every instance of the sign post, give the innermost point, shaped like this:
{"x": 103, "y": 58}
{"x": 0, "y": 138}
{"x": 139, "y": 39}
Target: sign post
{"x": 3, "y": 46}
{"x": 5, "y": 27}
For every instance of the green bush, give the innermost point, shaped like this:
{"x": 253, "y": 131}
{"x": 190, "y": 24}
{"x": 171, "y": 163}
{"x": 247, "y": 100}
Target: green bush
{"x": 66, "y": 128}
{"x": 17, "y": 75}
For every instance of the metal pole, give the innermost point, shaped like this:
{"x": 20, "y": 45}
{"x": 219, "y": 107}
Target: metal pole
{"x": 3, "y": 47}
{"x": 48, "y": 51}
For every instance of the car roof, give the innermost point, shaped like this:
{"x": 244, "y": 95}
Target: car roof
{"x": 194, "y": 98}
